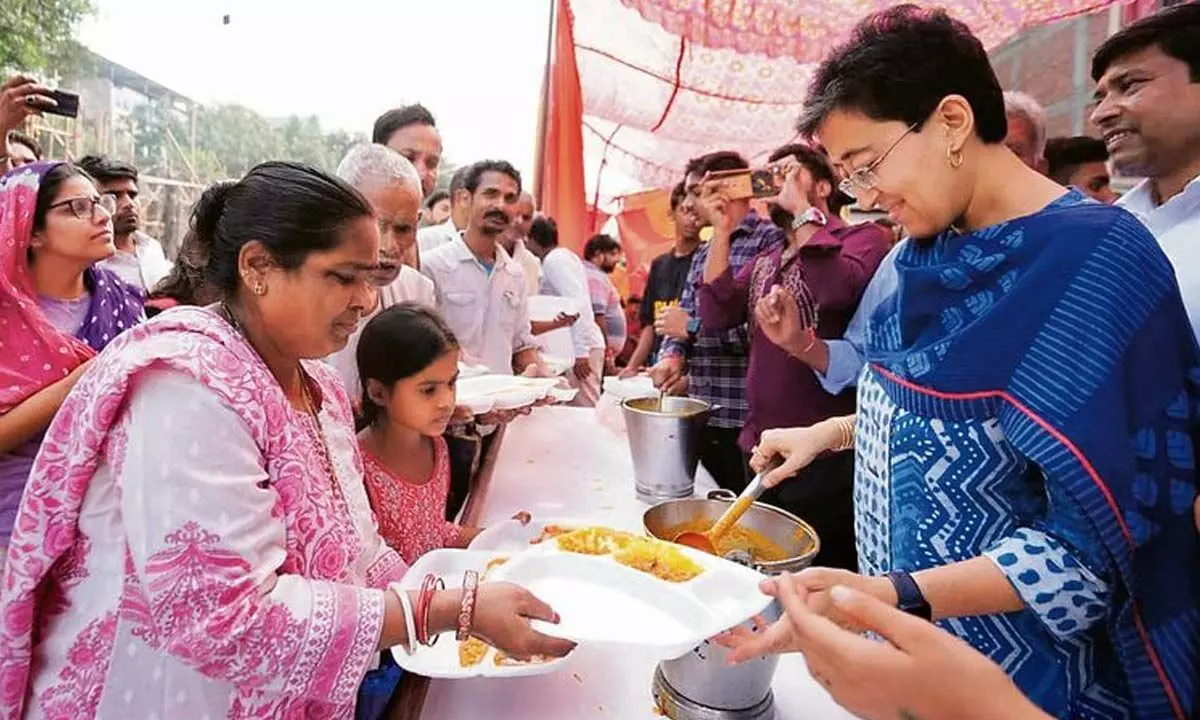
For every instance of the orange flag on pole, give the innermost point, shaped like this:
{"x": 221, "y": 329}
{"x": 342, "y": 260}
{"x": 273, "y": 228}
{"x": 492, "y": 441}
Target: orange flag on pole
{"x": 559, "y": 185}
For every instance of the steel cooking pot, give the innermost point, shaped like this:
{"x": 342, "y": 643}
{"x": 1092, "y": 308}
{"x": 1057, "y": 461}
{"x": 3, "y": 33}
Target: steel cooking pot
{"x": 703, "y": 676}
{"x": 797, "y": 538}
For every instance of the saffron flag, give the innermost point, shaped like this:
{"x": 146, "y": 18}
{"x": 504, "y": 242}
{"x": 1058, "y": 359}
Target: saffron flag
{"x": 561, "y": 191}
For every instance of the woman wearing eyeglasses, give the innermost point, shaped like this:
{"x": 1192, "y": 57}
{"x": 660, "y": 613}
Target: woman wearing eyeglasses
{"x": 1024, "y": 463}
{"x": 56, "y": 309}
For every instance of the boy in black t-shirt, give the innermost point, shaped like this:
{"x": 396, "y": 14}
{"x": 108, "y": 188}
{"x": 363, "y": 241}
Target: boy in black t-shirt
{"x": 665, "y": 282}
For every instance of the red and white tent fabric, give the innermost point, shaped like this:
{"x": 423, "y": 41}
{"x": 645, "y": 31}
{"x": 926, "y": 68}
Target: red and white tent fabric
{"x": 666, "y": 80}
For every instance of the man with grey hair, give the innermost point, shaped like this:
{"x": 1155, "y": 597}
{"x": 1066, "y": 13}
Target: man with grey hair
{"x": 1026, "y": 129}
{"x": 393, "y": 187}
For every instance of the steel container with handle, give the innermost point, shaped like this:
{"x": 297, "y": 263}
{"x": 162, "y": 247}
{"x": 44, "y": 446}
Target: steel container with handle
{"x": 665, "y": 445}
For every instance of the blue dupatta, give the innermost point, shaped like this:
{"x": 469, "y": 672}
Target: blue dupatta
{"x": 1068, "y": 327}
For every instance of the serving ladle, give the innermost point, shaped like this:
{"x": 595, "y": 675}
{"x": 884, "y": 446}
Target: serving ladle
{"x": 707, "y": 541}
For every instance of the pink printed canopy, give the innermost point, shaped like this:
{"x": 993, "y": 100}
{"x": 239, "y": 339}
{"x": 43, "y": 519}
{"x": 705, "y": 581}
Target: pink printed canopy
{"x": 667, "y": 80}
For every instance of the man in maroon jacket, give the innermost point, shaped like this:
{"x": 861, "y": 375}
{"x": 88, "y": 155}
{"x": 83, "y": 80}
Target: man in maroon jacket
{"x": 825, "y": 265}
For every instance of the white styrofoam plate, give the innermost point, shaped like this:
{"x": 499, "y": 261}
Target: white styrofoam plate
{"x": 556, "y": 366}
{"x": 603, "y": 602}
{"x": 477, "y": 405}
{"x": 467, "y": 370}
{"x": 638, "y": 386}
{"x": 506, "y": 392}
{"x": 542, "y": 386}
{"x": 441, "y": 660}
{"x": 563, "y": 394}
{"x": 510, "y": 537}
{"x": 543, "y": 308}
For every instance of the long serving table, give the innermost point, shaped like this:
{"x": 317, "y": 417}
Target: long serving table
{"x": 561, "y": 462}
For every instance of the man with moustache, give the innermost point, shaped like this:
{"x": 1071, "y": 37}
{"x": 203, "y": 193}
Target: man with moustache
{"x": 601, "y": 256}
{"x": 1147, "y": 105}
{"x": 664, "y": 283}
{"x": 391, "y": 184}
{"x": 478, "y": 286}
{"x": 710, "y": 364}
{"x": 1148, "y": 111}
{"x": 824, "y": 265}
{"x": 139, "y": 260}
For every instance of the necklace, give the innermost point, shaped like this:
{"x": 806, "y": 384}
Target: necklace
{"x": 323, "y": 444}
{"x": 309, "y": 406}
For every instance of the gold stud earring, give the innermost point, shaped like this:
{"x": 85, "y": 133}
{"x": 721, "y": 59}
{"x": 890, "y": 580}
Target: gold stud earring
{"x": 260, "y": 288}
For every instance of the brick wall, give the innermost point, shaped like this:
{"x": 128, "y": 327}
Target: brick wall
{"x": 1053, "y": 64}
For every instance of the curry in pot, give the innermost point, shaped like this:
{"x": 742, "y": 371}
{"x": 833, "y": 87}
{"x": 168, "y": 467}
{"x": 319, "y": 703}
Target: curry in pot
{"x": 736, "y": 538}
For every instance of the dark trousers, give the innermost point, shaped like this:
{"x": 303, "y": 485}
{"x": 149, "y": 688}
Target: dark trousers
{"x": 723, "y": 459}
{"x": 462, "y": 452}
{"x": 822, "y": 495}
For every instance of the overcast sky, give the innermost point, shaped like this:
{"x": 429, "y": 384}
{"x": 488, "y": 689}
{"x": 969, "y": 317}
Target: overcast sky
{"x": 477, "y": 64}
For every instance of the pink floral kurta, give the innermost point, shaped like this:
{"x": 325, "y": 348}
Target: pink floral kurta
{"x": 412, "y": 517}
{"x": 180, "y": 553}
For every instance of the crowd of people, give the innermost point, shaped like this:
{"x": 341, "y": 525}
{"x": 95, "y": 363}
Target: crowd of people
{"x": 215, "y": 470}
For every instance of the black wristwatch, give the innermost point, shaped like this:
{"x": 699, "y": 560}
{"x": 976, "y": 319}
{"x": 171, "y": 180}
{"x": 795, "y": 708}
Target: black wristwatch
{"x": 909, "y": 597}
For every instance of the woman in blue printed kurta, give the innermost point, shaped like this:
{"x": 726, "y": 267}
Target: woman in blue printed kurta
{"x": 1023, "y": 437}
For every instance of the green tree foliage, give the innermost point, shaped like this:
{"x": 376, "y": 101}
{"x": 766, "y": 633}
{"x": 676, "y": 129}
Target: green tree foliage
{"x": 229, "y": 140}
{"x": 38, "y": 34}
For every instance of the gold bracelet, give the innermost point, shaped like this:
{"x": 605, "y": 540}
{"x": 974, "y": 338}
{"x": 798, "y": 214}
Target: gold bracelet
{"x": 845, "y": 428}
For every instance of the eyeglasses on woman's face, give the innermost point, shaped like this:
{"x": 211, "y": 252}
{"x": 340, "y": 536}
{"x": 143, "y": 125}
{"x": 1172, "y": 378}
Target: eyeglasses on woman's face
{"x": 866, "y": 178}
{"x": 84, "y": 208}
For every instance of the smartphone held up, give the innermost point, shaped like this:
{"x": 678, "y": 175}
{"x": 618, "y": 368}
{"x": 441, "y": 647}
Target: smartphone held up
{"x": 66, "y": 104}
{"x": 757, "y": 183}
{"x": 50, "y": 102}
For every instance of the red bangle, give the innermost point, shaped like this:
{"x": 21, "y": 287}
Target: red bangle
{"x": 428, "y": 587}
{"x": 466, "y": 611}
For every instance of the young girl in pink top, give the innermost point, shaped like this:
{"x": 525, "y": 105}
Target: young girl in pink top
{"x": 408, "y": 363}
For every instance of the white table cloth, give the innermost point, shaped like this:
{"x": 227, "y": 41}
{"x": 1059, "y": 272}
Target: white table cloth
{"x": 561, "y": 462}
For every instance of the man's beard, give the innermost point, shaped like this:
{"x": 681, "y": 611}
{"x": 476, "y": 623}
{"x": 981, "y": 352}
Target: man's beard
{"x": 779, "y": 216}
{"x": 125, "y": 226}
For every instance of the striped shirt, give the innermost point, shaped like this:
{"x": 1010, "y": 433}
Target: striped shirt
{"x": 717, "y": 361}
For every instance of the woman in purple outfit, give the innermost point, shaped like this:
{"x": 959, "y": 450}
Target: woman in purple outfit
{"x": 56, "y": 310}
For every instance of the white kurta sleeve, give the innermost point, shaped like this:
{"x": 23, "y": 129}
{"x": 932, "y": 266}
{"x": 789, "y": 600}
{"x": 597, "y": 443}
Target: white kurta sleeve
{"x": 206, "y": 548}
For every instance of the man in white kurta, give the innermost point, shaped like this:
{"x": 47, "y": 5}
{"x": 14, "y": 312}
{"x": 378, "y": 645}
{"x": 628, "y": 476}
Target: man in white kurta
{"x": 393, "y": 187}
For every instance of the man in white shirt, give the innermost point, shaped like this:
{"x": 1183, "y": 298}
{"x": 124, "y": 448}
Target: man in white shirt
{"x": 432, "y": 237}
{"x": 529, "y": 262}
{"x": 393, "y": 187}
{"x": 563, "y": 276}
{"x": 1148, "y": 110}
{"x": 139, "y": 260}
{"x": 479, "y": 288}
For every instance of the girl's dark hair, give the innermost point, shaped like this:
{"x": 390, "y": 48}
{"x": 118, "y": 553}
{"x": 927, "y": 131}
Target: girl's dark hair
{"x": 51, "y": 183}
{"x": 398, "y": 343}
{"x": 291, "y": 208}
